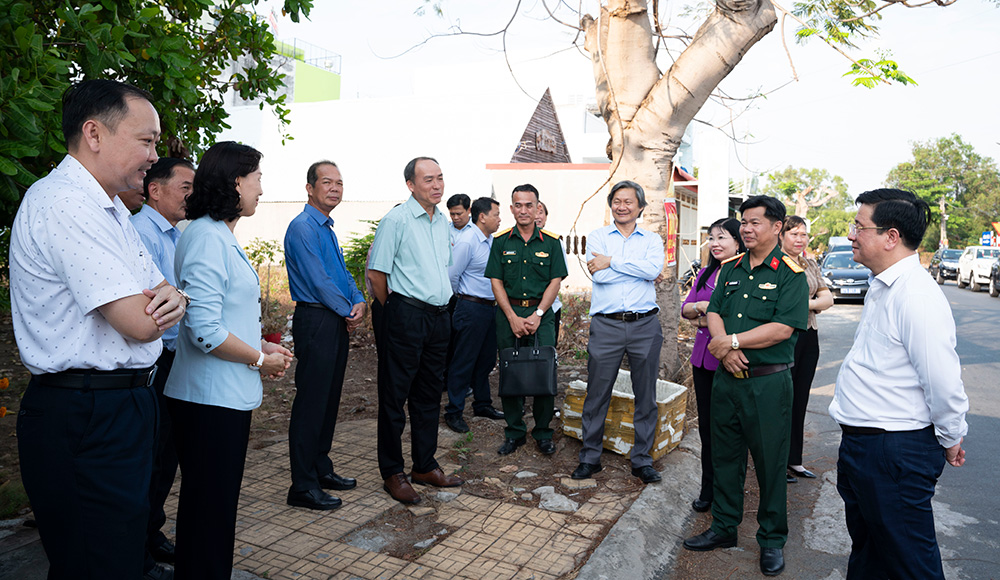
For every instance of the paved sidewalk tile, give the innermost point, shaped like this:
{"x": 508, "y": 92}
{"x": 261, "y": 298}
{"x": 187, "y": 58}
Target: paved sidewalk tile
{"x": 488, "y": 539}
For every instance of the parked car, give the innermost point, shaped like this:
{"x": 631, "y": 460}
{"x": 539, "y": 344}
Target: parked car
{"x": 974, "y": 266}
{"x": 845, "y": 277}
{"x": 944, "y": 265}
{"x": 995, "y": 279}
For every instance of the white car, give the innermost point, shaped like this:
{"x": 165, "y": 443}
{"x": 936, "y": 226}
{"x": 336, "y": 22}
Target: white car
{"x": 974, "y": 266}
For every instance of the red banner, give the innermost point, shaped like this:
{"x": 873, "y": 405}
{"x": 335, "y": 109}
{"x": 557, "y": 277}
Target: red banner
{"x": 670, "y": 210}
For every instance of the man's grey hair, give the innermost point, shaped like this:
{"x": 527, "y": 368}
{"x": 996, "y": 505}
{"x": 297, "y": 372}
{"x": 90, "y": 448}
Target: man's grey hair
{"x": 626, "y": 184}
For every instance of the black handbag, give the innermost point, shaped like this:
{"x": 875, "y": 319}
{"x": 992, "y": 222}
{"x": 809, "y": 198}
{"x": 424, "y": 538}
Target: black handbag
{"x": 528, "y": 371}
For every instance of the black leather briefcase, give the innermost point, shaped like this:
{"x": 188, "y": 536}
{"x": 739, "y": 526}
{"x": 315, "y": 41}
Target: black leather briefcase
{"x": 528, "y": 371}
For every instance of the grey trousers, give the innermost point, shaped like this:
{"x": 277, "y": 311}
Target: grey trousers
{"x": 609, "y": 341}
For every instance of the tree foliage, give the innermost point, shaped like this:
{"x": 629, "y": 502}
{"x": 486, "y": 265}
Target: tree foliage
{"x": 815, "y": 195}
{"x": 182, "y": 51}
{"x": 948, "y": 168}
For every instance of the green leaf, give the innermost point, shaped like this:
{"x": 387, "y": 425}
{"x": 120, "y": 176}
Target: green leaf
{"x": 149, "y": 12}
{"x": 7, "y": 166}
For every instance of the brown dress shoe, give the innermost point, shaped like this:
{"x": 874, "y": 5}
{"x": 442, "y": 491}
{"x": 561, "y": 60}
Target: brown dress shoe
{"x": 400, "y": 489}
{"x": 436, "y": 478}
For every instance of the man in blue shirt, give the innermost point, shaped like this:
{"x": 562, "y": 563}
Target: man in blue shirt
{"x": 626, "y": 261}
{"x": 410, "y": 256}
{"x": 328, "y": 306}
{"x": 473, "y": 322}
{"x": 165, "y": 187}
{"x": 460, "y": 211}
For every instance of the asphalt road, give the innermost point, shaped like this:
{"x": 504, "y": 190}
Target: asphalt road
{"x": 967, "y": 503}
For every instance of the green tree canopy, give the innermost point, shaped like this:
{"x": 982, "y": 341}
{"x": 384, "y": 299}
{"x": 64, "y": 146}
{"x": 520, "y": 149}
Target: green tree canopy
{"x": 815, "y": 195}
{"x": 182, "y": 51}
{"x": 947, "y": 172}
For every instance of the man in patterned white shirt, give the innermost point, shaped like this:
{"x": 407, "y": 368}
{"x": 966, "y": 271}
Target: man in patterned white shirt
{"x": 89, "y": 307}
{"x": 900, "y": 401}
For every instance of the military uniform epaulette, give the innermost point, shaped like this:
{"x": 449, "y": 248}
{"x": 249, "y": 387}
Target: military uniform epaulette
{"x": 792, "y": 264}
{"x": 551, "y": 235}
{"x": 503, "y": 233}
{"x": 736, "y": 257}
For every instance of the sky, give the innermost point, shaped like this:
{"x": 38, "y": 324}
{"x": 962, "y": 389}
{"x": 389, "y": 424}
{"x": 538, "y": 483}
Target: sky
{"x": 816, "y": 121}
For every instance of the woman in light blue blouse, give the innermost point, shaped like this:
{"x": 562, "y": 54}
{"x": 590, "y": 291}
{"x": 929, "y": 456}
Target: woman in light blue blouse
{"x": 215, "y": 382}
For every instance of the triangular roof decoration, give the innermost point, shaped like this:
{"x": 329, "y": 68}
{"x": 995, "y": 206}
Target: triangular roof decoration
{"x": 542, "y": 141}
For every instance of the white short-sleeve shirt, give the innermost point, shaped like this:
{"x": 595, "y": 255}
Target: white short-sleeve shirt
{"x": 73, "y": 249}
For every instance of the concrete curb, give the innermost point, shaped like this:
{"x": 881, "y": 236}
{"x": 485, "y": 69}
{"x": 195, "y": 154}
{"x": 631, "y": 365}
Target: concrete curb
{"x": 644, "y": 542}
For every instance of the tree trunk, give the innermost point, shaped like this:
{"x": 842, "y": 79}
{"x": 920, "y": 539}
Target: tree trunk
{"x": 647, "y": 112}
{"x": 944, "y": 222}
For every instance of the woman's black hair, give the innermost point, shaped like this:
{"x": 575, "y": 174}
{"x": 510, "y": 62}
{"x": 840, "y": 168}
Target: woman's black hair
{"x": 732, "y": 226}
{"x": 213, "y": 192}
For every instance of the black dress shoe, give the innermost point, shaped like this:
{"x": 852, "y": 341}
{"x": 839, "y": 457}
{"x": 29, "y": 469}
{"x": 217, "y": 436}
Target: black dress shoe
{"x": 585, "y": 470}
{"x": 334, "y": 481}
{"x": 158, "y": 573}
{"x": 791, "y": 479}
{"x": 314, "y": 499}
{"x": 456, "y": 423}
{"x": 546, "y": 446}
{"x": 701, "y": 506}
{"x": 646, "y": 473}
{"x": 772, "y": 561}
{"x": 510, "y": 445}
{"x": 803, "y": 473}
{"x": 163, "y": 553}
{"x": 489, "y": 413}
{"x": 708, "y": 540}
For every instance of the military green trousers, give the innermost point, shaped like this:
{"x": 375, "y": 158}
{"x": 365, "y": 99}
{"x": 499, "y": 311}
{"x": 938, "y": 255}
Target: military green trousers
{"x": 543, "y": 408}
{"x": 752, "y": 414}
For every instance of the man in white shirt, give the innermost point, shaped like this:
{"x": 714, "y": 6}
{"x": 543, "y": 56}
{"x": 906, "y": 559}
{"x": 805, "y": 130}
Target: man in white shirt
{"x": 460, "y": 212}
{"x": 88, "y": 307}
{"x": 899, "y": 398}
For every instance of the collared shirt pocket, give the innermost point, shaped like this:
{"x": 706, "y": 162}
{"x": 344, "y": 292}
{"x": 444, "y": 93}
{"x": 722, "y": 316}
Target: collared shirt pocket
{"x": 762, "y": 304}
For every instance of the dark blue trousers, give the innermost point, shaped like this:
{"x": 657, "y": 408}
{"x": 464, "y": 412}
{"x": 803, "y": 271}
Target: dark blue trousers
{"x": 321, "y": 346}
{"x": 887, "y": 482}
{"x": 86, "y": 457}
{"x": 474, "y": 336}
{"x": 164, "y": 462}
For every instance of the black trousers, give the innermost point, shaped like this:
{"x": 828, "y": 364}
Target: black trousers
{"x": 806, "y": 358}
{"x": 86, "y": 456}
{"x": 212, "y": 449}
{"x": 164, "y": 462}
{"x": 703, "y": 396}
{"x": 321, "y": 345}
{"x": 412, "y": 355}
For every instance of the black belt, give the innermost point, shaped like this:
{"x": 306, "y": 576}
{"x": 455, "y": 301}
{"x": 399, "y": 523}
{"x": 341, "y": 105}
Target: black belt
{"x": 420, "y": 304}
{"x": 628, "y": 316}
{"x": 94, "y": 379}
{"x": 852, "y": 430}
{"x": 476, "y": 299}
{"x": 312, "y": 305}
{"x": 526, "y": 303}
{"x": 762, "y": 371}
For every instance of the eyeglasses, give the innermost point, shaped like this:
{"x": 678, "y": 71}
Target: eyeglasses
{"x": 853, "y": 229}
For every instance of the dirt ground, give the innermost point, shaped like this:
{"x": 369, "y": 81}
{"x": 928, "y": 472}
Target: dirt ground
{"x": 474, "y": 454}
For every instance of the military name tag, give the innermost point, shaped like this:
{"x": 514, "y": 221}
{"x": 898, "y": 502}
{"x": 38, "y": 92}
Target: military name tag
{"x": 509, "y": 252}
{"x": 733, "y": 283}
{"x": 541, "y": 254}
{"x": 767, "y": 286}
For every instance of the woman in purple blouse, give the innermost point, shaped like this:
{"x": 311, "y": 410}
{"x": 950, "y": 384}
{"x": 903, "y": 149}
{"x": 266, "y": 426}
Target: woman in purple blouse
{"x": 724, "y": 242}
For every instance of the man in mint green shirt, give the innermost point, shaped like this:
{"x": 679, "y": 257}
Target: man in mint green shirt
{"x": 408, "y": 272}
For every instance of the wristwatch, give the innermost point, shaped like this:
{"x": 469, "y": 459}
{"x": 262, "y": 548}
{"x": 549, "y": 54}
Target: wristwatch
{"x": 259, "y": 363}
{"x": 736, "y": 343}
{"x": 539, "y": 312}
{"x": 185, "y": 296}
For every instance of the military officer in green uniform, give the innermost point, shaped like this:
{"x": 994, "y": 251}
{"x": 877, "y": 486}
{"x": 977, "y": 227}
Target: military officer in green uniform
{"x": 760, "y": 300}
{"x": 526, "y": 266}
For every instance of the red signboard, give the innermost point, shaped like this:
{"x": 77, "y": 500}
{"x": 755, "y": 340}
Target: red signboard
{"x": 670, "y": 210}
